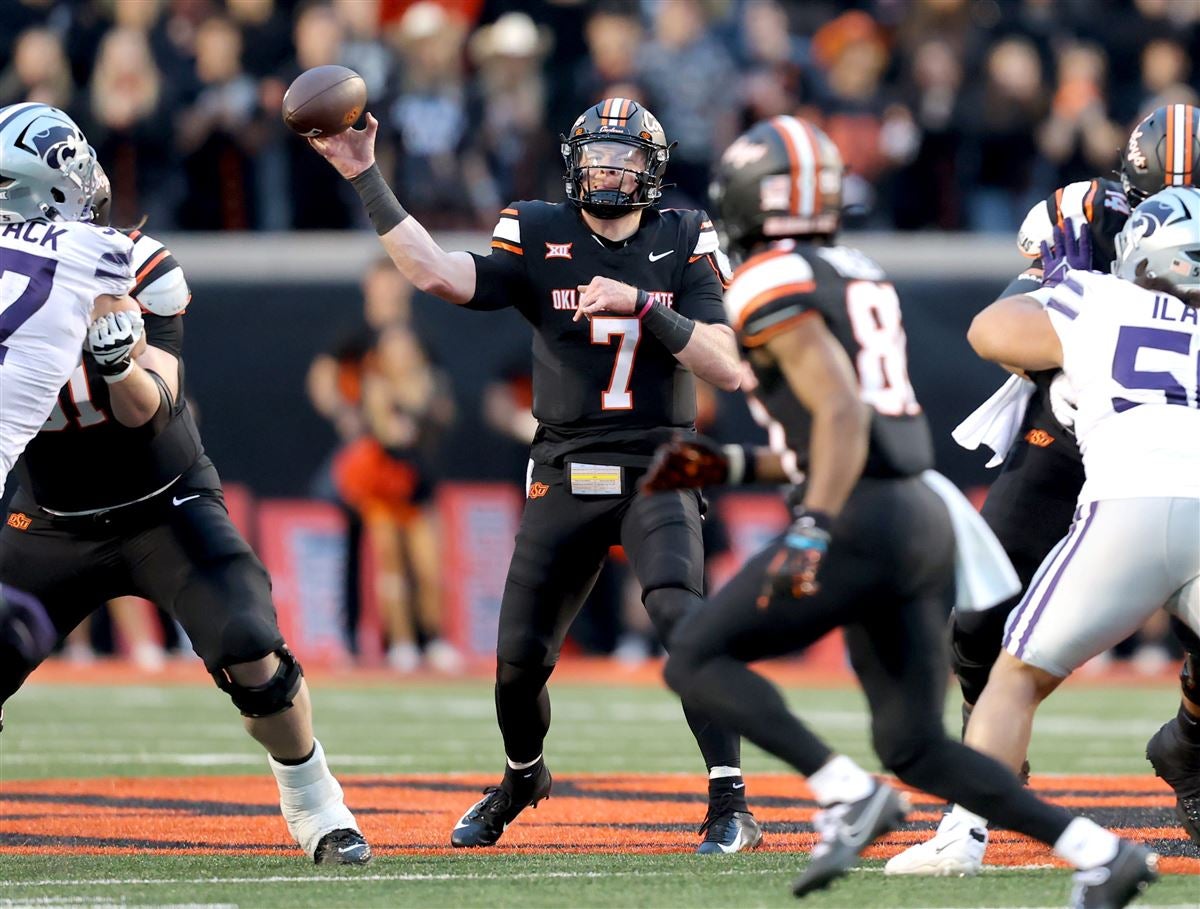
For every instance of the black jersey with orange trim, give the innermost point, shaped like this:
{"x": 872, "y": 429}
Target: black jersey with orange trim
{"x": 772, "y": 291}
{"x": 602, "y": 384}
{"x": 83, "y": 459}
{"x": 1100, "y": 201}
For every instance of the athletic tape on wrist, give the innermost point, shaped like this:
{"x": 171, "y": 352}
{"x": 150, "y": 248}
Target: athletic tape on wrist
{"x": 383, "y": 208}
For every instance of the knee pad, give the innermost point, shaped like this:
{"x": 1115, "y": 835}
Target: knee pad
{"x": 26, "y": 638}
{"x": 519, "y": 675}
{"x": 266, "y": 700}
{"x": 975, "y": 642}
{"x": 666, "y": 606}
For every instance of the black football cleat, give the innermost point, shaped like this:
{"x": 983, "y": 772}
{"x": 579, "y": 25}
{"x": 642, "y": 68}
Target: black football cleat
{"x": 1177, "y": 762}
{"x": 1113, "y": 885}
{"x": 727, "y": 832}
{"x": 846, "y": 829}
{"x": 486, "y": 820}
{"x": 342, "y": 847}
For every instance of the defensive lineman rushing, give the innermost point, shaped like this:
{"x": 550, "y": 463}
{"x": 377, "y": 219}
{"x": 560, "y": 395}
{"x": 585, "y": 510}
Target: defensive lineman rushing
{"x": 1031, "y": 503}
{"x": 625, "y": 303}
{"x": 1129, "y": 344}
{"x": 147, "y": 515}
{"x": 871, "y": 548}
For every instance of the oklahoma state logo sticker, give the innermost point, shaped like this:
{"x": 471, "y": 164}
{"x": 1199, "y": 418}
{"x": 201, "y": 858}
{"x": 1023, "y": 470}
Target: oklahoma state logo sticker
{"x": 558, "y": 250}
{"x": 536, "y": 490}
{"x": 18, "y": 521}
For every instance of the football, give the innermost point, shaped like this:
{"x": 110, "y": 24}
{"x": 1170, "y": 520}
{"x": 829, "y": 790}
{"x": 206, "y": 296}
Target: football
{"x": 324, "y": 101}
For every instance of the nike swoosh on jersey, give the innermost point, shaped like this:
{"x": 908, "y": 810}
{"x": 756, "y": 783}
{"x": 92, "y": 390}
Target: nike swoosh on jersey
{"x": 654, "y": 257}
{"x": 176, "y": 501}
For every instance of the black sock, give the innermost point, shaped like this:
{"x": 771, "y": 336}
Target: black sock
{"x": 1189, "y": 726}
{"x": 295, "y": 762}
{"x": 520, "y": 782}
{"x": 731, "y": 788}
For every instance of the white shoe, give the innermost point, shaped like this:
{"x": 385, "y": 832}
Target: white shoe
{"x": 956, "y": 850}
{"x": 404, "y": 658}
{"x": 444, "y": 656}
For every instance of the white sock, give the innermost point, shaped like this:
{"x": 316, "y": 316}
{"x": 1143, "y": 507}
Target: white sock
{"x": 310, "y": 799}
{"x": 970, "y": 819}
{"x": 1085, "y": 844}
{"x": 719, "y": 773}
{"x": 517, "y": 765}
{"x": 840, "y": 780}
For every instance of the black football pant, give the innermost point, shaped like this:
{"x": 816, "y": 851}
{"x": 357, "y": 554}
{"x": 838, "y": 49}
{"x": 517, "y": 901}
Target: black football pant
{"x": 888, "y": 581}
{"x": 561, "y": 545}
{"x": 1029, "y": 507}
{"x": 179, "y": 550}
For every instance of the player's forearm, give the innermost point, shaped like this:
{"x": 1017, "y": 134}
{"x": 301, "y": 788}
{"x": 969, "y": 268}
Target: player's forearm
{"x": 430, "y": 268}
{"x": 711, "y": 354}
{"x": 837, "y": 453}
{"x": 136, "y": 398}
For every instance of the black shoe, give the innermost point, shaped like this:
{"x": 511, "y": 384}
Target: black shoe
{"x": 728, "y": 832}
{"x": 846, "y": 829}
{"x": 486, "y": 820}
{"x": 342, "y": 847}
{"x": 1177, "y": 762}
{"x": 1113, "y": 885}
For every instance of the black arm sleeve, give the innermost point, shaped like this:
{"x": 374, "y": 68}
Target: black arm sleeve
{"x": 499, "y": 282}
{"x": 701, "y": 294}
{"x": 165, "y": 333}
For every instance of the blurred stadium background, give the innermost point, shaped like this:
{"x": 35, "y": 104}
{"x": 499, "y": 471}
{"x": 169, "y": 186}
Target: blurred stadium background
{"x": 373, "y": 440}
{"x": 954, "y": 117}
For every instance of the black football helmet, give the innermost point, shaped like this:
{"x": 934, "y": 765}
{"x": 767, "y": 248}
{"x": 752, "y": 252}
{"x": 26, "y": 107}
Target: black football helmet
{"x": 615, "y": 139}
{"x": 1163, "y": 150}
{"x": 781, "y": 178}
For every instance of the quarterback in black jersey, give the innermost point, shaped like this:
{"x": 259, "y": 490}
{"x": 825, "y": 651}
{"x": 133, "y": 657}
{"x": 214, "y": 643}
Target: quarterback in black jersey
{"x": 871, "y": 547}
{"x": 118, "y": 498}
{"x": 625, "y": 304}
{"x": 1031, "y": 503}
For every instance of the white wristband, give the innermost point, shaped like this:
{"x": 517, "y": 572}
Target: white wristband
{"x": 736, "y": 455}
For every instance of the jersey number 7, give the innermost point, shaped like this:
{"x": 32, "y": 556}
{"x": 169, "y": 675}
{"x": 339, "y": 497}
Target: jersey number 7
{"x": 618, "y": 395}
{"x": 25, "y": 284}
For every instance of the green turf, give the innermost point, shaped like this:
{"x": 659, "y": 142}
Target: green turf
{"x": 524, "y": 881}
{"x": 67, "y": 731}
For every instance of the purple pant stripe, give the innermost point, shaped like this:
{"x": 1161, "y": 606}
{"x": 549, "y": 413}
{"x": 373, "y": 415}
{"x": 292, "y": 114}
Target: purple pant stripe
{"x": 1054, "y": 583}
{"x": 1034, "y": 588}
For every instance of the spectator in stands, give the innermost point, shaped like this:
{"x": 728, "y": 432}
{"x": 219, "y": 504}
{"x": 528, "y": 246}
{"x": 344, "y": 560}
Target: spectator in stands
{"x": 38, "y": 72}
{"x": 512, "y": 155}
{"x": 266, "y": 35}
{"x": 318, "y": 200}
{"x": 362, "y": 45}
{"x": 1078, "y": 139}
{"x": 773, "y": 83}
{"x": 1165, "y": 67}
{"x": 614, "y": 34}
{"x": 128, "y": 105}
{"x": 693, "y": 85}
{"x": 427, "y": 118}
{"x": 219, "y": 132}
{"x": 926, "y": 192}
{"x": 388, "y": 476}
{"x": 1000, "y": 119}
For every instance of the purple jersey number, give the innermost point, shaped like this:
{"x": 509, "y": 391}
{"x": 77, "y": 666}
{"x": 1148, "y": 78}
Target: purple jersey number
{"x": 1124, "y": 368}
{"x": 40, "y": 274}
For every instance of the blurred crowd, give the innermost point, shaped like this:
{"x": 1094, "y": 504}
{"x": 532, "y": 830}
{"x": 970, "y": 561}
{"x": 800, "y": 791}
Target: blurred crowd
{"x": 951, "y": 114}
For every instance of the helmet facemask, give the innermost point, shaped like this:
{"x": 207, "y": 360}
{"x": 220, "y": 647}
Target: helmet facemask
{"x": 611, "y": 176}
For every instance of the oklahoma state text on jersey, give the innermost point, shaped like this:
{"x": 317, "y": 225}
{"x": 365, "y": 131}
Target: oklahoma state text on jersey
{"x": 851, "y": 293}
{"x": 602, "y": 384}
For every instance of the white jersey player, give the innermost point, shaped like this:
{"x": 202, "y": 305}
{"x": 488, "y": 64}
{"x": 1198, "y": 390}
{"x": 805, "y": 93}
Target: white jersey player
{"x": 57, "y": 272}
{"x": 1129, "y": 343}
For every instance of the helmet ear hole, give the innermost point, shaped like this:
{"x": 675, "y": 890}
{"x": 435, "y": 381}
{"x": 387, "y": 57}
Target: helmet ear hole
{"x": 58, "y": 195}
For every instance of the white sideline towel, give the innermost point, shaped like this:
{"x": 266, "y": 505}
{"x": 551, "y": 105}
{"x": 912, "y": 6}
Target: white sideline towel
{"x": 983, "y": 574}
{"x": 996, "y": 422}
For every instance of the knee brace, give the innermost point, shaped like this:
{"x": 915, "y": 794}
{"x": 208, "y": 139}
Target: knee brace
{"x": 266, "y": 700}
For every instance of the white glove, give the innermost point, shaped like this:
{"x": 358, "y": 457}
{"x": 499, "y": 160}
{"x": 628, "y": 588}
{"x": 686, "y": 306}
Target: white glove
{"x": 110, "y": 341}
{"x": 1063, "y": 401}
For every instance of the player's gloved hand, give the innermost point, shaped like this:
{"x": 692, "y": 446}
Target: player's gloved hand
{"x": 695, "y": 462}
{"x": 111, "y": 340}
{"x": 1071, "y": 250}
{"x": 793, "y": 570}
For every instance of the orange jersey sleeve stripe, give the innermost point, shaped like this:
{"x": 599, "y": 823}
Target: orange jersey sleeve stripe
{"x": 509, "y": 211}
{"x": 779, "y": 328}
{"x": 500, "y": 244}
{"x": 1090, "y": 200}
{"x": 149, "y": 266}
{"x": 770, "y": 296}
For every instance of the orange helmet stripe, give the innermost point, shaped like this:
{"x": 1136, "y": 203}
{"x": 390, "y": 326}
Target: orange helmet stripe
{"x": 1172, "y": 113}
{"x": 1188, "y": 115}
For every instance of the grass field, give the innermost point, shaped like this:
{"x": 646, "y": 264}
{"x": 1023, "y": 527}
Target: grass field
{"x": 136, "y": 794}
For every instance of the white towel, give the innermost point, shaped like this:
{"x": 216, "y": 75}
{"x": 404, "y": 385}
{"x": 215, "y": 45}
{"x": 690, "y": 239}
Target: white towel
{"x": 982, "y": 572}
{"x": 996, "y": 422}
